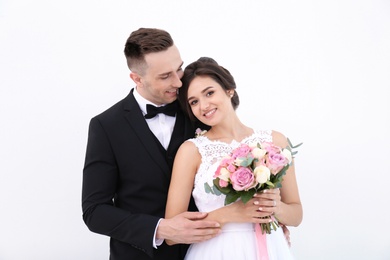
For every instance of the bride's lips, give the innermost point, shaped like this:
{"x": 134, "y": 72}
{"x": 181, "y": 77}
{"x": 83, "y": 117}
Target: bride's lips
{"x": 210, "y": 113}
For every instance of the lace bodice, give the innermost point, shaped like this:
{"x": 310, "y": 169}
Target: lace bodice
{"x": 212, "y": 152}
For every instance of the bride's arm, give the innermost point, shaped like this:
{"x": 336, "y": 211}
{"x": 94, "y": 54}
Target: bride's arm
{"x": 284, "y": 203}
{"x": 186, "y": 163}
{"x": 185, "y": 227}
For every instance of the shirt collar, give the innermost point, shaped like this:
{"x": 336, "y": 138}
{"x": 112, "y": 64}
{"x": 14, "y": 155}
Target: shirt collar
{"x": 142, "y": 102}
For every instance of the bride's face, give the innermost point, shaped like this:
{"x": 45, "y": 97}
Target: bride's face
{"x": 209, "y": 102}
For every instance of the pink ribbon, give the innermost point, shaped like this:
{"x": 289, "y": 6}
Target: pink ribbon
{"x": 262, "y": 251}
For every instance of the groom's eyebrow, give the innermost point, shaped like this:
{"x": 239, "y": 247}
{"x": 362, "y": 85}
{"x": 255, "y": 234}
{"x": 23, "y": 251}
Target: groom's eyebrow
{"x": 167, "y": 73}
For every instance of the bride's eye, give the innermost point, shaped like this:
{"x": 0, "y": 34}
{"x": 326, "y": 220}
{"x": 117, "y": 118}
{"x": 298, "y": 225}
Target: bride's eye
{"x": 209, "y": 93}
{"x": 193, "y": 102}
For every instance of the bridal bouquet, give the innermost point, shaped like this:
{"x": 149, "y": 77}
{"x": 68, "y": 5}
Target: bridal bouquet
{"x": 251, "y": 169}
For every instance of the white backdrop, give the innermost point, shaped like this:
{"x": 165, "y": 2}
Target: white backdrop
{"x": 318, "y": 71}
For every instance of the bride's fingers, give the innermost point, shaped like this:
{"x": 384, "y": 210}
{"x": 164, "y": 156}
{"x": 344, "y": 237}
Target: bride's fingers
{"x": 267, "y": 210}
{"x": 269, "y": 193}
{"x": 268, "y": 198}
{"x": 262, "y": 219}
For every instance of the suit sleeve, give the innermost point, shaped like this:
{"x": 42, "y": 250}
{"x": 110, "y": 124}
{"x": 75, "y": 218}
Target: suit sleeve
{"x": 100, "y": 179}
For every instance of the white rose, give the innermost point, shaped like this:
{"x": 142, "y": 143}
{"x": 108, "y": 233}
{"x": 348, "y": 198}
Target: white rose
{"x": 224, "y": 174}
{"x": 258, "y": 153}
{"x": 262, "y": 174}
{"x": 286, "y": 153}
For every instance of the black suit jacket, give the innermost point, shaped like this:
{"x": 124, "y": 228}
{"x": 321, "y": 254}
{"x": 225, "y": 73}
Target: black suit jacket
{"x": 126, "y": 178}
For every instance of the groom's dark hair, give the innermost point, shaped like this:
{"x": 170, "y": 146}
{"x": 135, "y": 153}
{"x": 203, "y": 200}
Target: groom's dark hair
{"x": 144, "y": 41}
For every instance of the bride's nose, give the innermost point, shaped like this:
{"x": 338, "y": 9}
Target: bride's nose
{"x": 204, "y": 105}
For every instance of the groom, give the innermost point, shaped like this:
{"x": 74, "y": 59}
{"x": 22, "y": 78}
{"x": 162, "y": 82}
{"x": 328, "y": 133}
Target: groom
{"x": 129, "y": 159}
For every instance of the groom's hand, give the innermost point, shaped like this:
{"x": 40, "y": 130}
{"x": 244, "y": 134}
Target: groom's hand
{"x": 187, "y": 228}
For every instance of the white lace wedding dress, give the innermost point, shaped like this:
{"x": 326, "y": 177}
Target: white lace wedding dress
{"x": 237, "y": 240}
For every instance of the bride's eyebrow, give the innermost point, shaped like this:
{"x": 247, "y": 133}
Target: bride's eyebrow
{"x": 203, "y": 91}
{"x": 190, "y": 98}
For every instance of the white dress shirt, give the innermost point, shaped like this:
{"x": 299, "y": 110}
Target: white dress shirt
{"x": 161, "y": 125}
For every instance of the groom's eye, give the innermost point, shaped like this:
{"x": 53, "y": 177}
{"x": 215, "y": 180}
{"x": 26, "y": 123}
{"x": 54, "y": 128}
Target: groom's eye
{"x": 165, "y": 76}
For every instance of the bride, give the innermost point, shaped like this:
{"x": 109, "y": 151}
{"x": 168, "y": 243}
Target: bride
{"x": 208, "y": 94}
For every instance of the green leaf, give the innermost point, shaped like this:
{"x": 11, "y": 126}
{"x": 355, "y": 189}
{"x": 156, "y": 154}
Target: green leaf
{"x": 289, "y": 142}
{"x": 207, "y": 188}
{"x": 263, "y": 228}
{"x": 274, "y": 227}
{"x": 246, "y": 161}
{"x": 296, "y": 146}
{"x": 293, "y": 146}
{"x": 270, "y": 184}
{"x": 247, "y": 195}
{"x": 224, "y": 190}
{"x": 216, "y": 191}
{"x": 216, "y": 182}
{"x": 231, "y": 197}
{"x": 278, "y": 185}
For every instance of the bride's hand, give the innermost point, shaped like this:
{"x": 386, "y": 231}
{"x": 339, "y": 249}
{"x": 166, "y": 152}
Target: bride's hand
{"x": 239, "y": 212}
{"x": 268, "y": 201}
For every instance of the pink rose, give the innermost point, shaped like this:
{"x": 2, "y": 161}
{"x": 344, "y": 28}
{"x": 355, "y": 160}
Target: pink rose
{"x": 270, "y": 147}
{"x": 218, "y": 171}
{"x": 223, "y": 183}
{"x": 276, "y": 162}
{"x": 242, "y": 151}
{"x": 242, "y": 179}
{"x": 228, "y": 163}
{"x": 231, "y": 168}
{"x": 225, "y": 163}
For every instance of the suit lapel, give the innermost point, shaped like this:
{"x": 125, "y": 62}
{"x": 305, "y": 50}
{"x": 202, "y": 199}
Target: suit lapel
{"x": 138, "y": 124}
{"x": 181, "y": 132}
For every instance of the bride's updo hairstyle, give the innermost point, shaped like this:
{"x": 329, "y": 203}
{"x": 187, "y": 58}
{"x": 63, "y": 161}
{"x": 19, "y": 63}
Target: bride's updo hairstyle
{"x": 208, "y": 67}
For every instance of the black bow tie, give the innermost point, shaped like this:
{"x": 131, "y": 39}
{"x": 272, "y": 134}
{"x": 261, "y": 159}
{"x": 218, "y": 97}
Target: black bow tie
{"x": 169, "y": 110}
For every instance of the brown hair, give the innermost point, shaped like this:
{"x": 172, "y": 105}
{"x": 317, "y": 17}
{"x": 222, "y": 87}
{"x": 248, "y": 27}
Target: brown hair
{"x": 142, "y": 42}
{"x": 205, "y": 66}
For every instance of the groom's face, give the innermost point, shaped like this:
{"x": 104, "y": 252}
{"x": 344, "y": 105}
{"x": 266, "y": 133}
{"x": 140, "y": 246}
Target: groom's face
{"x": 161, "y": 78}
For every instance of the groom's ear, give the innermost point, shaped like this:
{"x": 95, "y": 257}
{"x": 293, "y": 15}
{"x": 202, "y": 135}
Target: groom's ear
{"x": 136, "y": 78}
